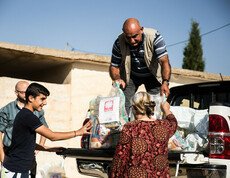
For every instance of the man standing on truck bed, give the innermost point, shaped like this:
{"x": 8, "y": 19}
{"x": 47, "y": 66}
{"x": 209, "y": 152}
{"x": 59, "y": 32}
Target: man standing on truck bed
{"x": 139, "y": 56}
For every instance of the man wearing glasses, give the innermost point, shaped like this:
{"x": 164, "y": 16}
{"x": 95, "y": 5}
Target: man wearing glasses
{"x": 139, "y": 56}
{"x": 7, "y": 116}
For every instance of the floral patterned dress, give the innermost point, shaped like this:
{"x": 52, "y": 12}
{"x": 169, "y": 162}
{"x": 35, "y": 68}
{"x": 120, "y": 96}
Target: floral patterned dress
{"x": 142, "y": 151}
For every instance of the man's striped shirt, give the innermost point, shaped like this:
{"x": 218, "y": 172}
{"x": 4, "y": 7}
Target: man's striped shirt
{"x": 138, "y": 65}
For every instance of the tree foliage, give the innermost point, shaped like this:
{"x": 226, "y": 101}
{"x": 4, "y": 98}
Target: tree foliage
{"x": 193, "y": 51}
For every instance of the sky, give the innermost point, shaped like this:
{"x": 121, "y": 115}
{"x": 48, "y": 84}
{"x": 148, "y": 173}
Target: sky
{"x": 92, "y": 26}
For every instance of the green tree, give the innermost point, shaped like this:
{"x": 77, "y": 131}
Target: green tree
{"x": 193, "y": 51}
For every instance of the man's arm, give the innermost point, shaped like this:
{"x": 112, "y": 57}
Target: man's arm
{"x": 166, "y": 74}
{"x": 43, "y": 121}
{"x": 2, "y": 154}
{"x": 49, "y": 149}
{"x": 4, "y": 122}
{"x": 41, "y": 143}
{"x": 115, "y": 75}
{"x": 42, "y": 140}
{"x": 114, "y": 69}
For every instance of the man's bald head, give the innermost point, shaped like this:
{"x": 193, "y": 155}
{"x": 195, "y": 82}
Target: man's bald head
{"x": 21, "y": 85}
{"x": 20, "y": 90}
{"x": 131, "y": 24}
{"x": 133, "y": 32}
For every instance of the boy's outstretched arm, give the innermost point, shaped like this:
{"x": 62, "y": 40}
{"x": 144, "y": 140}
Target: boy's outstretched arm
{"x": 54, "y": 136}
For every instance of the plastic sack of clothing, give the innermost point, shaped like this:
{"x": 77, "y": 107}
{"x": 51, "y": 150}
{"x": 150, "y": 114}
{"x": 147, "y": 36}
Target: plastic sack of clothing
{"x": 194, "y": 126}
{"x": 158, "y": 99}
{"x": 108, "y": 115}
{"x": 177, "y": 143}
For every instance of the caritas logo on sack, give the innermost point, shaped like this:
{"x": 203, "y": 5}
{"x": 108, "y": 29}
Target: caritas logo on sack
{"x": 109, "y": 110}
{"x": 108, "y": 106}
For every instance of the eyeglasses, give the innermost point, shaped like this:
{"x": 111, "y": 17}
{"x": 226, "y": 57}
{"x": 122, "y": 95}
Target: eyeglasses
{"x": 22, "y": 92}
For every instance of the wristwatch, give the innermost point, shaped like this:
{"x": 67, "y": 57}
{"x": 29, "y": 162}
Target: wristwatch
{"x": 165, "y": 80}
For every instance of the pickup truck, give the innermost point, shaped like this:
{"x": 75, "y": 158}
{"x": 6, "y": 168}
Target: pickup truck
{"x": 212, "y": 162}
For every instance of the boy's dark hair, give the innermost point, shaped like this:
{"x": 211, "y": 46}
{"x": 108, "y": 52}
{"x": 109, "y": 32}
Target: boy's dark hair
{"x": 35, "y": 89}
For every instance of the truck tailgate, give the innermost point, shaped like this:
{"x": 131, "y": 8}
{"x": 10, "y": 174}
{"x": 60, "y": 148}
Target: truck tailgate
{"x": 107, "y": 154}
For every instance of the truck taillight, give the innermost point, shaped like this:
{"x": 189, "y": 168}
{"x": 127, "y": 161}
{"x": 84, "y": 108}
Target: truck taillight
{"x": 219, "y": 137}
{"x": 218, "y": 124}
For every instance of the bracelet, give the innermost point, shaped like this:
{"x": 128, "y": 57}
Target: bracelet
{"x": 165, "y": 80}
{"x": 75, "y": 133}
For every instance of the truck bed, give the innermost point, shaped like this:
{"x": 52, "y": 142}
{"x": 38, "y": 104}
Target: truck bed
{"x": 97, "y": 162}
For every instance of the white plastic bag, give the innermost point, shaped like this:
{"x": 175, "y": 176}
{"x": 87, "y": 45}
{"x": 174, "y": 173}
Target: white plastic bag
{"x": 117, "y": 92}
{"x": 158, "y": 99}
{"x": 157, "y": 110}
{"x": 108, "y": 115}
{"x": 195, "y": 124}
{"x": 195, "y": 142}
{"x": 191, "y": 119}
